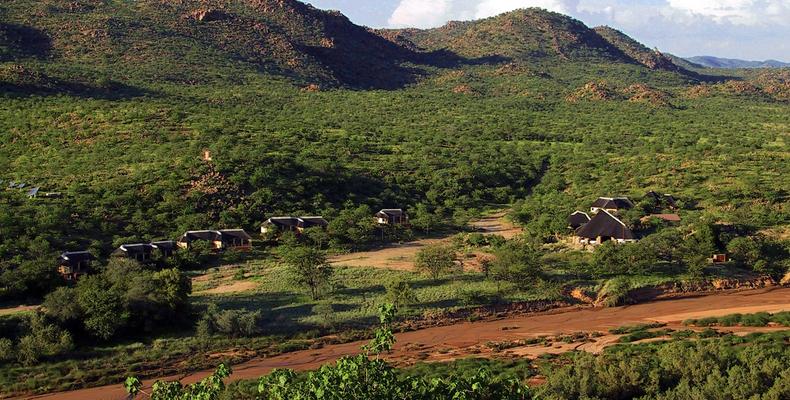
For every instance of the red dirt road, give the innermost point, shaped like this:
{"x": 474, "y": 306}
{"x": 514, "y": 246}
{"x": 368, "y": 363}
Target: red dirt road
{"x": 448, "y": 342}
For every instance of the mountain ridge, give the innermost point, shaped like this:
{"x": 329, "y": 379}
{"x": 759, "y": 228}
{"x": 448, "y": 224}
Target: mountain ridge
{"x": 203, "y": 41}
{"x": 734, "y": 63}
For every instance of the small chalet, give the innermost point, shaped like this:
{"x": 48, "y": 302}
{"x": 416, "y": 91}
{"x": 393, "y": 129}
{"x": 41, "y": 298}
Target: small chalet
{"x": 166, "y": 248}
{"x": 578, "y": 219}
{"x": 280, "y": 224}
{"x": 604, "y": 227}
{"x": 233, "y": 239}
{"x": 720, "y": 258}
{"x": 292, "y": 224}
{"x": 73, "y": 264}
{"x": 140, "y": 252}
{"x": 392, "y": 216}
{"x": 611, "y": 204}
{"x": 310, "y": 222}
{"x": 189, "y": 237}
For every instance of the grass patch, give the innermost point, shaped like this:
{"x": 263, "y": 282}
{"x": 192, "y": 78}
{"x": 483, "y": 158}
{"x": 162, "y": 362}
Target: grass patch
{"x": 760, "y": 319}
{"x": 629, "y": 329}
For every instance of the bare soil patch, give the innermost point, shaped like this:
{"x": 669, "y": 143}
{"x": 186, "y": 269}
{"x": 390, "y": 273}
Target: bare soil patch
{"x": 235, "y": 287}
{"x": 400, "y": 257}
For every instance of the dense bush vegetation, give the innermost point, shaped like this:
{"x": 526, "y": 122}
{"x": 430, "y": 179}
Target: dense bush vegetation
{"x": 721, "y": 368}
{"x": 124, "y": 299}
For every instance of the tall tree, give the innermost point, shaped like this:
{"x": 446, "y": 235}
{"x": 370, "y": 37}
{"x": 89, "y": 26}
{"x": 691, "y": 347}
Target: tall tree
{"x": 436, "y": 260}
{"x": 309, "y": 267}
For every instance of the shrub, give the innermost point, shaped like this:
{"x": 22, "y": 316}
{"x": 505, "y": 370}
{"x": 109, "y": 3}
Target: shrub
{"x": 626, "y": 329}
{"x": 782, "y": 318}
{"x": 400, "y": 293}
{"x": 730, "y": 320}
{"x": 436, "y": 260}
{"x": 236, "y": 323}
{"x": 62, "y": 306}
{"x": 42, "y": 340}
{"x": 6, "y": 349}
{"x": 758, "y": 319}
{"x": 516, "y": 262}
{"x": 478, "y": 297}
{"x": 615, "y": 292}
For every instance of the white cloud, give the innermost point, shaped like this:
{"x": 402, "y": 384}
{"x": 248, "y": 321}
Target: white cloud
{"x": 420, "y": 13}
{"x": 739, "y": 12}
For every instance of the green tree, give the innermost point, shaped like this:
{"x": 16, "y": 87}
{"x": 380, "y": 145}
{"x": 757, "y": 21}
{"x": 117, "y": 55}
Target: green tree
{"x": 317, "y": 236}
{"x": 436, "y": 260}
{"x": 308, "y": 267}
{"x": 422, "y": 218}
{"x": 42, "y": 339}
{"x": 61, "y": 305}
{"x": 516, "y": 262}
{"x": 103, "y": 306}
{"x": 745, "y": 250}
{"x": 400, "y": 293}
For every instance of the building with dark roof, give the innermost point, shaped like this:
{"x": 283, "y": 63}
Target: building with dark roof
{"x": 235, "y": 239}
{"x": 392, "y": 216}
{"x": 311, "y": 222}
{"x": 74, "y": 264}
{"x": 604, "y": 227}
{"x": 226, "y": 239}
{"x": 166, "y": 248}
{"x": 292, "y": 224}
{"x": 140, "y": 252}
{"x": 280, "y": 224}
{"x": 659, "y": 200}
{"x": 578, "y": 219}
{"x": 611, "y": 204}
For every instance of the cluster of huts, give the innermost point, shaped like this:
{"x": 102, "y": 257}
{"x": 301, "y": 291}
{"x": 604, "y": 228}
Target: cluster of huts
{"x": 602, "y": 223}
{"x": 72, "y": 265}
{"x": 32, "y": 191}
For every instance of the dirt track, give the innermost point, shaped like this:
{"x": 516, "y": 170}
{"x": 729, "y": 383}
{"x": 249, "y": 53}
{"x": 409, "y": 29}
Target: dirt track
{"x": 401, "y": 256}
{"x": 17, "y": 310}
{"x": 448, "y": 342}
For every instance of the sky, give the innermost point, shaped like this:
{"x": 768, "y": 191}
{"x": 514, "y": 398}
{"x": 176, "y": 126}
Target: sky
{"x": 746, "y": 29}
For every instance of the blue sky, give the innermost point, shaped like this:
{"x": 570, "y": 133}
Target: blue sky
{"x": 749, "y": 29}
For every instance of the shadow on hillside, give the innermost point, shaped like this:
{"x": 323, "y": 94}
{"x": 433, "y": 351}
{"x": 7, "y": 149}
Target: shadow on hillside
{"x": 116, "y": 91}
{"x": 18, "y": 41}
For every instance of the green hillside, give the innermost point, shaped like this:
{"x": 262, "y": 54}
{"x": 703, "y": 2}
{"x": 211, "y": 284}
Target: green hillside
{"x": 637, "y": 51}
{"x": 113, "y": 102}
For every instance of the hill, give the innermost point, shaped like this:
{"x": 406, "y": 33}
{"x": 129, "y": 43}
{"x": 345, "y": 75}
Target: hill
{"x": 201, "y": 41}
{"x": 652, "y": 59}
{"x": 523, "y": 35}
{"x": 717, "y": 62}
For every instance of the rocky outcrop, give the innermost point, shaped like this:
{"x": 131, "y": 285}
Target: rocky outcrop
{"x": 209, "y": 15}
{"x": 464, "y": 89}
{"x": 593, "y": 91}
{"x": 641, "y": 93}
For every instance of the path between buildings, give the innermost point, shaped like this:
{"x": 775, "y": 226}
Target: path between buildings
{"x": 470, "y": 338}
{"x": 401, "y": 256}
